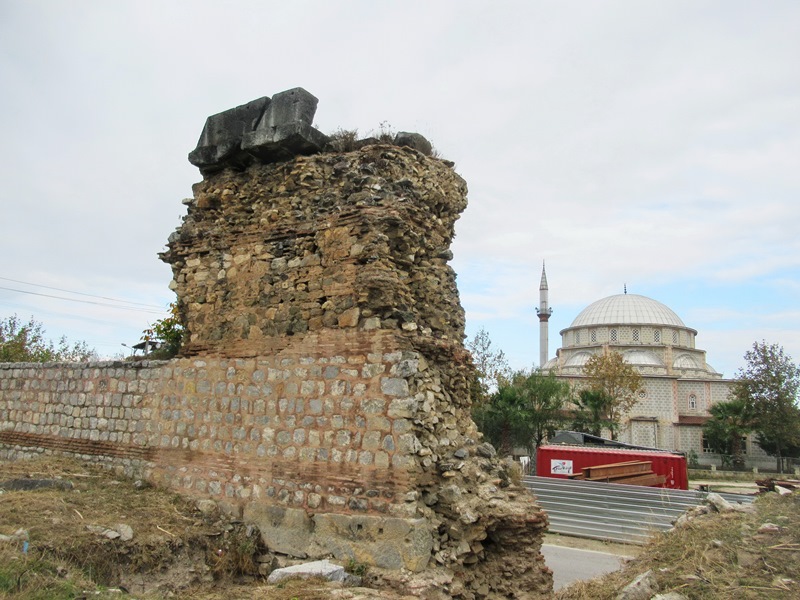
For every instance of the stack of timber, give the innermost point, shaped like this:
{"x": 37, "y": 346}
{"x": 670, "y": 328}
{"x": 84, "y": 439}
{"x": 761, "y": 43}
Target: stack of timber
{"x": 782, "y": 486}
{"x": 634, "y": 472}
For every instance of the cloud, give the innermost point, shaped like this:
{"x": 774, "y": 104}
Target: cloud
{"x": 625, "y": 142}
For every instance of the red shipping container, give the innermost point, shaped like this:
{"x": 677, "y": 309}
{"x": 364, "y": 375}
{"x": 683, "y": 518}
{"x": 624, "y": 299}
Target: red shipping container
{"x": 563, "y": 461}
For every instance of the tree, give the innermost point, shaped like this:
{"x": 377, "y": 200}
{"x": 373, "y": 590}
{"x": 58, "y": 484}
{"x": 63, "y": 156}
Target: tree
{"x": 769, "y": 385}
{"x": 619, "y": 381}
{"x": 169, "y": 331}
{"x": 591, "y": 413}
{"x": 546, "y": 397}
{"x": 525, "y": 409}
{"x": 491, "y": 366}
{"x": 26, "y": 342}
{"x": 502, "y": 419}
{"x": 791, "y": 450}
{"x": 723, "y": 432}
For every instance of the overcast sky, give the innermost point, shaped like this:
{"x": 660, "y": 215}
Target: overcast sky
{"x": 653, "y": 144}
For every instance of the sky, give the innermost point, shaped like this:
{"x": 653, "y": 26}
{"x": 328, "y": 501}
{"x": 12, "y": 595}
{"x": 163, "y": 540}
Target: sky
{"x": 652, "y": 145}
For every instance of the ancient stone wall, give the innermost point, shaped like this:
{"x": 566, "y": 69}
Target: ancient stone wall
{"x": 337, "y": 240}
{"x": 95, "y": 410}
{"x": 323, "y": 388}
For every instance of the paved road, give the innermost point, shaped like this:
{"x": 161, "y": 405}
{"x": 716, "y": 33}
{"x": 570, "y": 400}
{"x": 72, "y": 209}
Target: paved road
{"x": 572, "y": 564}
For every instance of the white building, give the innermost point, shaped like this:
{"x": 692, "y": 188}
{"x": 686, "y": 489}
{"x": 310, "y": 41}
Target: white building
{"x": 679, "y": 386}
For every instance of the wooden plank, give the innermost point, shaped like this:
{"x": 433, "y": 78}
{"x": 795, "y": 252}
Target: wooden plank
{"x": 630, "y": 467}
{"x": 646, "y": 479}
{"x": 613, "y": 477}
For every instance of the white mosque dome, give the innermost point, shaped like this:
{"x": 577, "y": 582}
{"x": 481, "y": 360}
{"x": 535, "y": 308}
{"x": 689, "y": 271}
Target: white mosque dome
{"x": 648, "y": 334}
{"x": 627, "y": 309}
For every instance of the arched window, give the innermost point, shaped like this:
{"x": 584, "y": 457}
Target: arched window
{"x": 692, "y": 402}
{"x": 635, "y": 335}
{"x": 657, "y": 336}
{"x": 612, "y": 335}
{"x": 593, "y": 336}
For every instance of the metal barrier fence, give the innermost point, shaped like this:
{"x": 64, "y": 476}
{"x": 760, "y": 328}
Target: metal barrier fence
{"x": 613, "y": 511}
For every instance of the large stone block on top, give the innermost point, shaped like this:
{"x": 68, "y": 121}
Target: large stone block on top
{"x": 270, "y": 130}
{"x": 285, "y": 128}
{"x": 221, "y": 139}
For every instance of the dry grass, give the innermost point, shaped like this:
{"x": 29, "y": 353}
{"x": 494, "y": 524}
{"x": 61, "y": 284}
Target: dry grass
{"x": 717, "y": 557}
{"x": 63, "y": 552}
{"x": 176, "y": 551}
{"x": 343, "y": 140}
{"x": 714, "y": 558}
{"x": 293, "y": 589}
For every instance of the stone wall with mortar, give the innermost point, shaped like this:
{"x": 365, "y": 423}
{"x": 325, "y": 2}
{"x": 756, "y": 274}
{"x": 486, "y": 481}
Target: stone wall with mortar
{"x": 301, "y": 433}
{"x": 323, "y": 389}
{"x": 345, "y": 254}
{"x": 95, "y": 410}
{"x": 336, "y": 240}
{"x": 320, "y": 452}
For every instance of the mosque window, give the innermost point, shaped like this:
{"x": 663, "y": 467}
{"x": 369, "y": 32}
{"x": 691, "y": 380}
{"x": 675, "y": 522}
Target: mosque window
{"x": 657, "y": 336}
{"x": 593, "y": 336}
{"x": 635, "y": 334}
{"x": 692, "y": 402}
{"x": 674, "y": 337}
{"x": 612, "y": 335}
{"x": 577, "y": 337}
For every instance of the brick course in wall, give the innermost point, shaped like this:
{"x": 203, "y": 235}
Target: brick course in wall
{"x": 337, "y": 417}
{"x": 95, "y": 409}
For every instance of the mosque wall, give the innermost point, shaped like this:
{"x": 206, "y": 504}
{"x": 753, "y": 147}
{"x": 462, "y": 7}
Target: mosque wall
{"x": 657, "y": 401}
{"x": 690, "y": 438}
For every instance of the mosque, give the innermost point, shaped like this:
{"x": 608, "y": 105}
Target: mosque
{"x": 679, "y": 386}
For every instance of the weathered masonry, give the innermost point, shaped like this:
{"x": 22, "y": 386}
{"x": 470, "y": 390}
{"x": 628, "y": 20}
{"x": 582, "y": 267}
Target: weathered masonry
{"x": 323, "y": 389}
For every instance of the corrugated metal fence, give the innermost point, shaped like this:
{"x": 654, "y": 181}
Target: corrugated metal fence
{"x": 612, "y": 511}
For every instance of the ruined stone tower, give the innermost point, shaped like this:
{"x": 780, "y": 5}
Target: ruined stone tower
{"x": 319, "y": 302}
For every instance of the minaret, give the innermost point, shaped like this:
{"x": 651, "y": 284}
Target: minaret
{"x": 544, "y": 312}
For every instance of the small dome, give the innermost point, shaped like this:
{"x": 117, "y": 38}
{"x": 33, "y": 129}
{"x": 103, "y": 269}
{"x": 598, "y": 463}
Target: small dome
{"x": 642, "y": 358}
{"x": 550, "y": 364}
{"x": 686, "y": 361}
{"x": 578, "y": 360}
{"x": 627, "y": 309}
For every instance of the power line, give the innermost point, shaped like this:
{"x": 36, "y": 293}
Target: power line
{"x": 142, "y": 310}
{"x": 79, "y": 293}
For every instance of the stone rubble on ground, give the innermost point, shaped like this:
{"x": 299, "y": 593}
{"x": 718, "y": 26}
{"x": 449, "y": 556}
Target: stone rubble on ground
{"x": 28, "y": 484}
{"x": 20, "y": 535}
{"x": 719, "y": 503}
{"x": 644, "y": 587}
{"x": 121, "y": 531}
{"x": 319, "y": 568}
{"x": 769, "y": 528}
